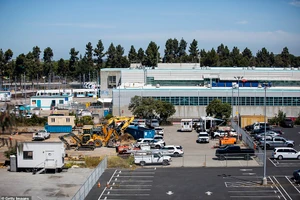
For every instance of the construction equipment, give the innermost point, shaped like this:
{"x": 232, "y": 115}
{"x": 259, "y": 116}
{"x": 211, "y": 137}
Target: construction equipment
{"x": 227, "y": 141}
{"x": 82, "y": 142}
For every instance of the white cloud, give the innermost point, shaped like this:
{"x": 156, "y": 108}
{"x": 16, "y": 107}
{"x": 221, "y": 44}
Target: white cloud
{"x": 295, "y": 3}
{"x": 242, "y": 22}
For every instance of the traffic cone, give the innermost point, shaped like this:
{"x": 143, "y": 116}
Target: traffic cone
{"x": 99, "y": 185}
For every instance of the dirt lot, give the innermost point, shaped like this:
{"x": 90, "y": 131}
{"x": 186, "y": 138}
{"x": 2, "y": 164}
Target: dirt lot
{"x": 12, "y": 139}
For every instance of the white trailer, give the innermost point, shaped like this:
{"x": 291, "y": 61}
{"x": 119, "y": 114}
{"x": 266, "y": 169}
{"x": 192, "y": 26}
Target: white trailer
{"x": 51, "y": 102}
{"x": 186, "y": 125}
{"x": 40, "y": 156}
{"x": 5, "y": 96}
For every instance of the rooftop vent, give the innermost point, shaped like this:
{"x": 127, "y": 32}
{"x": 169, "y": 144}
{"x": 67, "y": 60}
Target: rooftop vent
{"x": 253, "y": 67}
{"x": 157, "y": 86}
{"x": 248, "y": 67}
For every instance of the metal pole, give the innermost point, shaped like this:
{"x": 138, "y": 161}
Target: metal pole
{"x": 232, "y": 107}
{"x": 119, "y": 100}
{"x": 238, "y": 111}
{"x": 25, "y": 86}
{"x": 15, "y": 87}
{"x": 264, "y": 180}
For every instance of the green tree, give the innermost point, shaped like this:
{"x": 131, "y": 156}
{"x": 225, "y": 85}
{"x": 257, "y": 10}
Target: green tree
{"x": 62, "y": 67}
{"x": 182, "y": 51}
{"x": 285, "y": 56}
{"x": 20, "y": 66}
{"x": 89, "y": 58}
{"x": 263, "y": 58}
{"x": 152, "y": 55}
{"x": 218, "y": 109}
{"x": 120, "y": 60}
{"x": 194, "y": 51}
{"x": 141, "y": 55}
{"x": 169, "y": 49}
{"x": 48, "y": 55}
{"x": 149, "y": 108}
{"x": 36, "y": 51}
{"x": 111, "y": 55}
{"x": 236, "y": 57}
{"x": 73, "y": 61}
{"x": 98, "y": 52}
{"x": 211, "y": 58}
{"x": 132, "y": 55}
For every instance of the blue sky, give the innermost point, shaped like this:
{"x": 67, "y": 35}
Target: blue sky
{"x": 62, "y": 25}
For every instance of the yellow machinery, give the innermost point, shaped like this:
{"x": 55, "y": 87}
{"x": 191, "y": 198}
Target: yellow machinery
{"x": 81, "y": 142}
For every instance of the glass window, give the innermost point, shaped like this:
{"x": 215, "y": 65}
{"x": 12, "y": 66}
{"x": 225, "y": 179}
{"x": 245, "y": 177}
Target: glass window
{"x": 52, "y": 119}
{"x": 27, "y": 155}
{"x": 68, "y": 120}
{"x": 61, "y": 101}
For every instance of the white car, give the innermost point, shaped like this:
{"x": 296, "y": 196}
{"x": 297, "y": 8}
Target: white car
{"x": 203, "y": 137}
{"x": 159, "y": 131}
{"x": 41, "y": 135}
{"x": 285, "y": 153}
{"x": 172, "y": 150}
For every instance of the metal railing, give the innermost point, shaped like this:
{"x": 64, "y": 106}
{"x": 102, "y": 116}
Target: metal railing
{"x": 91, "y": 180}
{"x": 248, "y": 140}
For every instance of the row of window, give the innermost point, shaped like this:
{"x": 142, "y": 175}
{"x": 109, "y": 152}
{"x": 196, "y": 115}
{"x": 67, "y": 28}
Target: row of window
{"x": 244, "y": 101}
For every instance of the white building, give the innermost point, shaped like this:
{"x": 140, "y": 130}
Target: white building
{"x": 50, "y": 102}
{"x": 191, "y": 88}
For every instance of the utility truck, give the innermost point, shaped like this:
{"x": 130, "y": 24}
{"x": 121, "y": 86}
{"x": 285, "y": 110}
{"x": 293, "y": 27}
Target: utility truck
{"x": 151, "y": 157}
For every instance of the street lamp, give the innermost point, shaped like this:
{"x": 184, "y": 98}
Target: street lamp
{"x": 44, "y": 83}
{"x": 264, "y": 180}
{"x": 238, "y": 78}
{"x": 233, "y": 87}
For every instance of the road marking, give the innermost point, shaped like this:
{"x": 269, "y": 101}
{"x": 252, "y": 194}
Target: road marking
{"x": 272, "y": 162}
{"x": 131, "y": 185}
{"x": 135, "y": 176}
{"x": 255, "y": 197}
{"x": 250, "y": 174}
{"x": 244, "y": 170}
{"x": 208, "y": 193}
{"x": 277, "y": 188}
{"x": 169, "y": 193}
{"x": 133, "y": 180}
{"x": 273, "y": 191}
{"x": 282, "y": 187}
{"x": 292, "y": 183}
{"x": 128, "y": 194}
{"x": 126, "y": 189}
{"x": 105, "y": 187}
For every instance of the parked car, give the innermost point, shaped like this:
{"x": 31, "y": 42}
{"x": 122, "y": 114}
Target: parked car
{"x": 158, "y": 137}
{"x": 203, "y": 137}
{"x": 234, "y": 151}
{"x": 276, "y": 142}
{"x": 268, "y": 133}
{"x": 296, "y": 176}
{"x": 159, "y": 130}
{"x": 288, "y": 123}
{"x": 285, "y": 153}
{"x": 157, "y": 144}
{"x": 172, "y": 150}
{"x": 41, "y": 135}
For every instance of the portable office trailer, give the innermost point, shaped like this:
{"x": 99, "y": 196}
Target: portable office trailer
{"x": 5, "y": 96}
{"x": 50, "y": 102}
{"x": 39, "y": 156}
{"x": 186, "y": 125}
{"x": 55, "y": 120}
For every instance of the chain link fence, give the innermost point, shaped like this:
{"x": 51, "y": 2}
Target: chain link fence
{"x": 91, "y": 180}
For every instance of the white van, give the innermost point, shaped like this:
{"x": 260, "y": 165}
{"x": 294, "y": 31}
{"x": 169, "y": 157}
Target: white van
{"x": 186, "y": 125}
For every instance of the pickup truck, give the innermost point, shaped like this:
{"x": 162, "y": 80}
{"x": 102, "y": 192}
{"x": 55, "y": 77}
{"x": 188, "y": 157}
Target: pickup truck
{"x": 234, "y": 151}
{"x": 203, "y": 137}
{"x": 276, "y": 142}
{"x": 149, "y": 157}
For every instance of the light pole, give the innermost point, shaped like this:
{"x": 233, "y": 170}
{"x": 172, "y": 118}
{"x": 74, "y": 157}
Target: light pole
{"x": 44, "y": 83}
{"x": 238, "y": 78}
{"x": 264, "y": 180}
{"x": 233, "y": 86}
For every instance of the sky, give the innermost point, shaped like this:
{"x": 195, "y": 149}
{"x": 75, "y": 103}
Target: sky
{"x": 62, "y": 25}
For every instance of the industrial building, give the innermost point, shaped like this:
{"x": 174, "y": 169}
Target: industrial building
{"x": 190, "y": 88}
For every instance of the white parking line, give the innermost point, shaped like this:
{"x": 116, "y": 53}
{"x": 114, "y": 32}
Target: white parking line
{"x": 127, "y": 194}
{"x": 288, "y": 178}
{"x": 135, "y": 176}
{"x": 272, "y": 162}
{"x": 244, "y": 170}
{"x": 108, "y": 183}
{"x": 277, "y": 187}
{"x": 255, "y": 197}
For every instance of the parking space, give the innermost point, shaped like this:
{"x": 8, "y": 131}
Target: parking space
{"x": 129, "y": 184}
{"x": 285, "y": 163}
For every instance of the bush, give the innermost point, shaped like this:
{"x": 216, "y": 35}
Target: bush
{"x": 92, "y": 162}
{"x": 118, "y": 162}
{"x": 10, "y": 151}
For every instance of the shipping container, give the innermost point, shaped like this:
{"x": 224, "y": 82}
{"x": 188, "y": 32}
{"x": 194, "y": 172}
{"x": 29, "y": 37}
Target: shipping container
{"x": 140, "y": 132}
{"x": 58, "y": 129}
{"x": 250, "y": 119}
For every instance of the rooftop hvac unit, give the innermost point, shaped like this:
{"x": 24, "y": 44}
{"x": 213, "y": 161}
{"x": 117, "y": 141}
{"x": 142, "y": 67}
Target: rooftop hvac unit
{"x": 248, "y": 67}
{"x": 253, "y": 67}
{"x": 157, "y": 85}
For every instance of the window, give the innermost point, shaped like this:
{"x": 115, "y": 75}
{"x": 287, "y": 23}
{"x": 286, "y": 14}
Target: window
{"x": 61, "y": 101}
{"x": 27, "y": 155}
{"x": 33, "y": 102}
{"x": 52, "y": 119}
{"x": 67, "y": 119}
